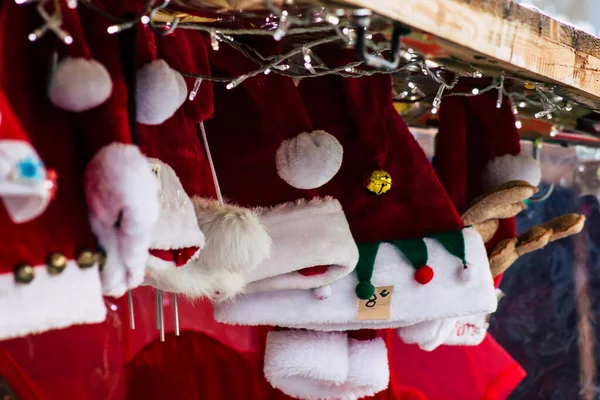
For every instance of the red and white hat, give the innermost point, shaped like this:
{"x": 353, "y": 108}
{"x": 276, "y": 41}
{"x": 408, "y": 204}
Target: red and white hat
{"x": 412, "y": 241}
{"x": 25, "y": 186}
{"x": 257, "y": 167}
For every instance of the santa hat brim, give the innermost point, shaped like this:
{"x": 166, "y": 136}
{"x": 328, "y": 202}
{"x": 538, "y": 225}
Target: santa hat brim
{"x": 446, "y": 296}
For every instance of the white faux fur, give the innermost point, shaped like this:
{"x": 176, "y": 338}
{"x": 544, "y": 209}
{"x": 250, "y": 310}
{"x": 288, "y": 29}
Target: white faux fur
{"x": 511, "y": 168}
{"x": 465, "y": 331}
{"x": 305, "y": 234}
{"x": 159, "y": 92}
{"x": 79, "y": 84}
{"x": 50, "y": 301}
{"x": 177, "y": 226}
{"x": 309, "y": 160}
{"x": 446, "y": 296}
{"x": 325, "y": 365}
{"x": 195, "y": 280}
{"x": 306, "y": 364}
{"x": 235, "y": 239}
{"x": 23, "y": 199}
{"x": 123, "y": 204}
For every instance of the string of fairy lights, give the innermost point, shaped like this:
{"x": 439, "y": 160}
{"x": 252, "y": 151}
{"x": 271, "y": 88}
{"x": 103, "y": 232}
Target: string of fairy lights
{"x": 329, "y": 26}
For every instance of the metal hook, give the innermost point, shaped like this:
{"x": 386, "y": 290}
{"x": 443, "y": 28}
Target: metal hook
{"x": 539, "y": 197}
{"x": 362, "y": 20}
{"x": 159, "y": 30}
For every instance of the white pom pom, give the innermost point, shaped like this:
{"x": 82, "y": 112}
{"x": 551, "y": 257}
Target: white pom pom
{"x": 309, "y": 160}
{"x": 322, "y": 292}
{"x": 79, "y": 84}
{"x": 466, "y": 273}
{"x": 158, "y": 92}
{"x": 511, "y": 168}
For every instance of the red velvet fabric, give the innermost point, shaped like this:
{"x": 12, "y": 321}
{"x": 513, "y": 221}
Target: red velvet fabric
{"x": 17, "y": 380}
{"x": 360, "y": 114}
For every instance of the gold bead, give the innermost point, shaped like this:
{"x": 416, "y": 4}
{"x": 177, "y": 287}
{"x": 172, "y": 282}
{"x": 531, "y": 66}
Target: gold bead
{"x": 24, "y": 273}
{"x": 101, "y": 259}
{"x": 57, "y": 262}
{"x": 86, "y": 259}
{"x": 529, "y": 86}
{"x": 379, "y": 182}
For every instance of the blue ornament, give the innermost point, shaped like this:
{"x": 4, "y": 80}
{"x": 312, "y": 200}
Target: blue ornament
{"x": 30, "y": 169}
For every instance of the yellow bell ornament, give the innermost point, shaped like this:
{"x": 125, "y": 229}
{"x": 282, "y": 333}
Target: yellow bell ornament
{"x": 379, "y": 182}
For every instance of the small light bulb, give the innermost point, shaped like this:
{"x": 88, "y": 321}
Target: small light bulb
{"x": 145, "y": 20}
{"x": 477, "y": 74}
{"x": 553, "y": 133}
{"x": 349, "y": 69}
{"x": 113, "y": 29}
{"x": 411, "y": 85}
{"x": 434, "y": 110}
{"x": 267, "y": 71}
{"x": 568, "y": 107}
{"x": 20, "y": 1}
{"x": 515, "y": 110}
{"x": 72, "y": 4}
{"x": 68, "y": 39}
{"x": 475, "y": 91}
{"x": 413, "y": 98}
{"x": 518, "y": 124}
{"x": 32, "y": 37}
{"x": 549, "y": 116}
{"x": 230, "y": 86}
{"x": 332, "y": 19}
{"x": 522, "y": 104}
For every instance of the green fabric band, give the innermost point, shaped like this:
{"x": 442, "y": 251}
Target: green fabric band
{"x": 414, "y": 250}
{"x": 364, "y": 269}
{"x": 454, "y": 243}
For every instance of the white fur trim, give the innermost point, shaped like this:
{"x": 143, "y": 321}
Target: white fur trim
{"x": 177, "y": 226}
{"x": 307, "y": 364}
{"x": 158, "y": 92}
{"x": 429, "y": 334}
{"x": 196, "y": 280}
{"x": 511, "y": 168}
{"x": 321, "y": 293}
{"x": 305, "y": 234}
{"x": 120, "y": 187}
{"x": 325, "y": 365}
{"x": 369, "y": 371}
{"x": 235, "y": 239}
{"x": 23, "y": 198}
{"x": 446, "y": 296}
{"x": 309, "y": 160}
{"x": 79, "y": 84}
{"x": 465, "y": 331}
{"x": 50, "y": 301}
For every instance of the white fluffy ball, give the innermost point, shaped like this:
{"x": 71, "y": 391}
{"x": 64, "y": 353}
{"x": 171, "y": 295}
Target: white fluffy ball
{"x": 309, "y": 160}
{"x": 79, "y": 84}
{"x": 160, "y": 91}
{"x": 511, "y": 168}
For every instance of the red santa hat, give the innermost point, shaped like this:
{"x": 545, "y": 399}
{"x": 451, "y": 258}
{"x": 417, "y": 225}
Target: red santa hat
{"x": 410, "y": 237}
{"x": 235, "y": 239}
{"x": 25, "y": 186}
{"x": 312, "y": 244}
{"x": 478, "y": 146}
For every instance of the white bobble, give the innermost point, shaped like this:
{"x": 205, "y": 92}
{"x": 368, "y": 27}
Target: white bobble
{"x": 160, "y": 91}
{"x": 322, "y": 292}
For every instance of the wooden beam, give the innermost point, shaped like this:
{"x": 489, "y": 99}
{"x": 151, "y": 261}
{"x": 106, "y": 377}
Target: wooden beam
{"x": 514, "y": 38}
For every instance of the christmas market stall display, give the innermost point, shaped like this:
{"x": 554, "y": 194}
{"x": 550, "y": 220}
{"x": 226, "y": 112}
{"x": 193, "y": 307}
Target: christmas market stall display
{"x": 219, "y": 199}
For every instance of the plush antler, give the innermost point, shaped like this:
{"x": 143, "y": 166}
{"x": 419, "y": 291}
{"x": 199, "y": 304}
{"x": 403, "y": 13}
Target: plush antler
{"x": 506, "y": 201}
{"x": 509, "y": 250}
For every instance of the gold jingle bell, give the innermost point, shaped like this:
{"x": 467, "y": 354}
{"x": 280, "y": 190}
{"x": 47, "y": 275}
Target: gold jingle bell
{"x": 57, "y": 262}
{"x": 379, "y": 182}
{"x": 24, "y": 273}
{"x": 86, "y": 259}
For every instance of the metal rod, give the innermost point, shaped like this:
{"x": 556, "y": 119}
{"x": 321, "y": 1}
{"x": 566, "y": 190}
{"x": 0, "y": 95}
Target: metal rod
{"x": 157, "y": 309}
{"x": 176, "y": 314}
{"x": 131, "y": 314}
{"x": 161, "y": 317}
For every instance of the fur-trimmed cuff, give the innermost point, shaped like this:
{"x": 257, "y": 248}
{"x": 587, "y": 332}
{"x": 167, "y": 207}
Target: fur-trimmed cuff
{"x": 325, "y": 365}
{"x": 469, "y": 331}
{"x": 123, "y": 203}
{"x": 50, "y": 301}
{"x": 305, "y": 234}
{"x": 511, "y": 168}
{"x": 25, "y": 187}
{"x": 446, "y": 296}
